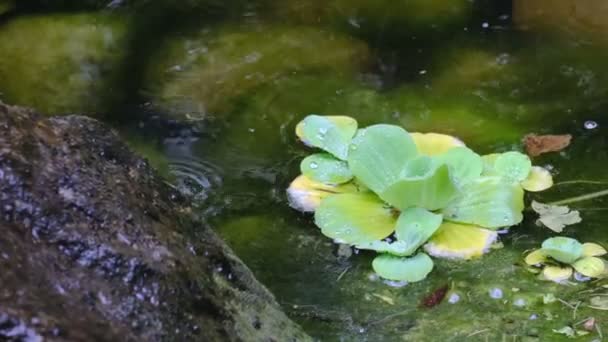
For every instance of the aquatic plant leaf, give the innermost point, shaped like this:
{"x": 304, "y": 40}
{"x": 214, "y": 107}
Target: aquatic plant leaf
{"x": 460, "y": 241}
{"x": 488, "y": 164}
{"x": 305, "y": 194}
{"x": 396, "y": 268}
{"x": 430, "y": 190}
{"x": 415, "y": 226}
{"x": 355, "y": 218}
{"x": 590, "y": 266}
{"x": 563, "y": 249}
{"x": 325, "y": 168}
{"x": 513, "y": 166}
{"x": 557, "y": 274}
{"x": 539, "y": 144}
{"x": 555, "y": 217}
{"x": 488, "y": 202}
{"x": 465, "y": 165}
{"x": 566, "y": 331}
{"x": 536, "y": 257}
{"x": 399, "y": 248}
{"x": 593, "y": 249}
{"x": 378, "y": 155}
{"x": 539, "y": 179}
{"x": 330, "y": 133}
{"x": 432, "y": 144}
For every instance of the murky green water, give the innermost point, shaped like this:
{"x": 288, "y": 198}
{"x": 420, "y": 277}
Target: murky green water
{"x": 244, "y": 75}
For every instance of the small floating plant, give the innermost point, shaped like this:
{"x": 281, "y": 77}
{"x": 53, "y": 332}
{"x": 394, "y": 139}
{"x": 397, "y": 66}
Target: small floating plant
{"x": 561, "y": 257}
{"x": 408, "y": 196}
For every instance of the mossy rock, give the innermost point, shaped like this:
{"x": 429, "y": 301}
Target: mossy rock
{"x": 61, "y": 63}
{"x": 410, "y": 12}
{"x": 200, "y": 75}
{"x": 372, "y": 17}
{"x": 525, "y": 80}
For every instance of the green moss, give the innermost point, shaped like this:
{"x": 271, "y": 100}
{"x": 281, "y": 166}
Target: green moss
{"x": 203, "y": 73}
{"x": 61, "y": 63}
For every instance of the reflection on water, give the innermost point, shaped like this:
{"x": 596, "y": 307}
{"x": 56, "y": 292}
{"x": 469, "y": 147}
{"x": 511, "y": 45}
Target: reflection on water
{"x": 244, "y": 73}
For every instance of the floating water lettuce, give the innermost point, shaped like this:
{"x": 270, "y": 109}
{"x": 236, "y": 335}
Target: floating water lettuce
{"x": 560, "y": 256}
{"x": 384, "y": 189}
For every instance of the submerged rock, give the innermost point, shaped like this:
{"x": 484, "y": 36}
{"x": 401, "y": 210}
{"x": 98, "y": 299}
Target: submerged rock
{"x": 587, "y": 19}
{"x": 200, "y": 75}
{"x": 61, "y": 63}
{"x": 95, "y": 247}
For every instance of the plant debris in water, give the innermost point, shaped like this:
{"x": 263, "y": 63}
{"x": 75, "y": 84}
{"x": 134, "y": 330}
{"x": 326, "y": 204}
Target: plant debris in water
{"x": 555, "y": 217}
{"x": 435, "y": 298}
{"x": 409, "y": 195}
{"x": 540, "y": 144}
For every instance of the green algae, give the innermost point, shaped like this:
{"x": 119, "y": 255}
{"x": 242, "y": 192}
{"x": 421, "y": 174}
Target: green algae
{"x": 496, "y": 296}
{"x": 61, "y": 63}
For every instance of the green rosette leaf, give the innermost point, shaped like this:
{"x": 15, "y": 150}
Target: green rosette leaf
{"x": 355, "y": 219}
{"x": 325, "y": 168}
{"x": 378, "y": 155}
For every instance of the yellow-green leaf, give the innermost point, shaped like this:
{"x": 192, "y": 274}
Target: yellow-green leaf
{"x": 460, "y": 241}
{"x": 590, "y": 266}
{"x": 305, "y": 194}
{"x": 536, "y": 257}
{"x": 557, "y": 274}
{"x": 539, "y": 179}
{"x": 355, "y": 218}
{"x": 431, "y": 144}
{"x": 593, "y": 249}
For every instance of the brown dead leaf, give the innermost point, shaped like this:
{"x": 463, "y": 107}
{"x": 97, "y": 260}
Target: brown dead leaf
{"x": 539, "y": 144}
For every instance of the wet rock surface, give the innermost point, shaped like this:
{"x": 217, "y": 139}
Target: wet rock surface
{"x": 96, "y": 247}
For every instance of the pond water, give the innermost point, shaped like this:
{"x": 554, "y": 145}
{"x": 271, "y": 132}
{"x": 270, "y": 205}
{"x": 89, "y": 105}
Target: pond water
{"x": 211, "y": 94}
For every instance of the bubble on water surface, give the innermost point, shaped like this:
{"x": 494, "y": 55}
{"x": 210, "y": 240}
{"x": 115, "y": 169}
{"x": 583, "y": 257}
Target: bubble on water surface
{"x": 590, "y": 124}
{"x": 394, "y": 283}
{"x": 454, "y": 298}
{"x": 496, "y": 293}
{"x": 314, "y": 165}
{"x": 520, "y": 302}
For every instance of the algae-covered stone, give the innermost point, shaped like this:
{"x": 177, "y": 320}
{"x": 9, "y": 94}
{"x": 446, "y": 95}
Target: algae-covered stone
{"x": 409, "y": 13}
{"x": 584, "y": 18}
{"x": 201, "y": 74}
{"x": 61, "y": 63}
{"x": 524, "y": 81}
